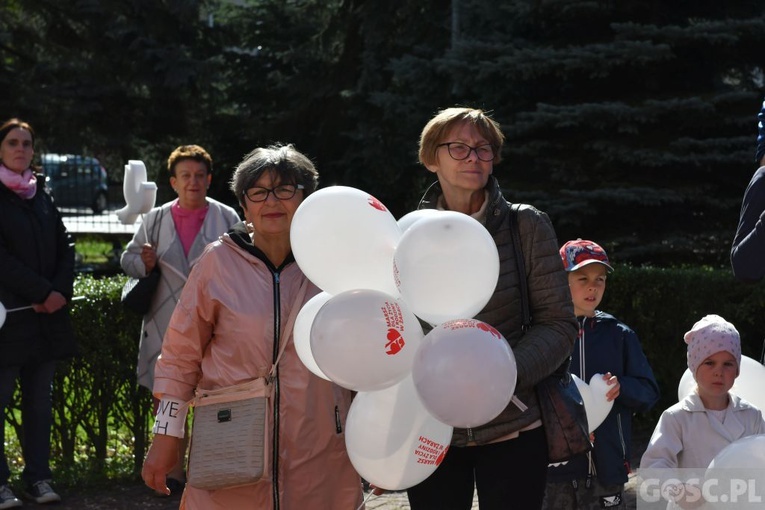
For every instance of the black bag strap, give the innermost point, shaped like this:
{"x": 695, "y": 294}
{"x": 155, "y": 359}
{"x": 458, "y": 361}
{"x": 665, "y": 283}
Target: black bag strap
{"x": 157, "y": 219}
{"x": 524, "y": 283}
{"x": 520, "y": 264}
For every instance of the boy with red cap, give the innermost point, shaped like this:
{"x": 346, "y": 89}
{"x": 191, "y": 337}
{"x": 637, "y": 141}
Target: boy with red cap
{"x": 605, "y": 346}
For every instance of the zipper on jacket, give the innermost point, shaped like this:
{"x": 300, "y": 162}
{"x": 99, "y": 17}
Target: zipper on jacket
{"x": 338, "y": 424}
{"x": 470, "y": 435}
{"x": 582, "y": 364}
{"x": 275, "y": 394}
{"x": 621, "y": 441}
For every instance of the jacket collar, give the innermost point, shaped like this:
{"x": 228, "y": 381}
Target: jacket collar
{"x": 732, "y": 429}
{"x": 496, "y": 210}
{"x": 240, "y": 237}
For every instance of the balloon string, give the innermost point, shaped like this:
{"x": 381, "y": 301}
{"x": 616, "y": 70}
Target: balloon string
{"x": 371, "y": 493}
{"x": 145, "y": 232}
{"x": 75, "y": 298}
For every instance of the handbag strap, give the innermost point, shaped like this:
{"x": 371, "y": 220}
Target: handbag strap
{"x": 157, "y": 219}
{"x": 520, "y": 265}
{"x": 290, "y": 323}
{"x": 563, "y": 370}
{"x": 248, "y": 389}
{"x": 253, "y": 387}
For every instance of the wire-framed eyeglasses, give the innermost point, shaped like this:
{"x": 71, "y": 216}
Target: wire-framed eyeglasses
{"x": 460, "y": 151}
{"x": 281, "y": 192}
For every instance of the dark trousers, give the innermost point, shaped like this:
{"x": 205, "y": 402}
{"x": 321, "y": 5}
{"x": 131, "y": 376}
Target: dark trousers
{"x": 36, "y": 418}
{"x": 508, "y": 475}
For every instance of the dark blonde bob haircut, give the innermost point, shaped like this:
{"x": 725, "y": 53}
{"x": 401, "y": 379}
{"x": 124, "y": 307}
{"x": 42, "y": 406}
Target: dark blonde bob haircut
{"x": 439, "y": 127}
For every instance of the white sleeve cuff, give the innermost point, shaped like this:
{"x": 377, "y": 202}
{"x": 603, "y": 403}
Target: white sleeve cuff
{"x": 171, "y": 417}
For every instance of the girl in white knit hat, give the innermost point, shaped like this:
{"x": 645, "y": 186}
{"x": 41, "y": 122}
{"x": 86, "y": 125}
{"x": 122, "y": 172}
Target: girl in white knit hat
{"x": 692, "y": 432}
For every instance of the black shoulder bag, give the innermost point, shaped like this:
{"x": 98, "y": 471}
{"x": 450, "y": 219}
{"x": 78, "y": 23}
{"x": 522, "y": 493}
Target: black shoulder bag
{"x": 137, "y": 292}
{"x": 560, "y": 403}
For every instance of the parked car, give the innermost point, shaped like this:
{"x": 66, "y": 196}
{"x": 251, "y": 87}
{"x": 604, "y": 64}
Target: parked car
{"x": 76, "y": 181}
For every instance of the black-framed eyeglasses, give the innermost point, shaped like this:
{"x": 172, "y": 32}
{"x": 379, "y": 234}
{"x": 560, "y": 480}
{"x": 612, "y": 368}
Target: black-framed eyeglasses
{"x": 460, "y": 151}
{"x": 282, "y": 192}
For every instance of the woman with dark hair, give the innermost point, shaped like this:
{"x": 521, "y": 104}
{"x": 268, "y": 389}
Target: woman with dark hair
{"x": 37, "y": 257}
{"x": 227, "y": 329}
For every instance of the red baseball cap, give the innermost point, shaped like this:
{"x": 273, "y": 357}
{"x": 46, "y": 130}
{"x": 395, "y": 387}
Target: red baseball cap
{"x": 581, "y": 252}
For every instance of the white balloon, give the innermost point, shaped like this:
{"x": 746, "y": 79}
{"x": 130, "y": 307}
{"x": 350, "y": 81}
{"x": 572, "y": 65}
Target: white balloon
{"x": 446, "y": 267}
{"x": 364, "y": 339}
{"x": 593, "y": 394}
{"x": 392, "y": 440}
{"x": 464, "y": 372}
{"x": 301, "y": 332}
{"x": 343, "y": 239}
{"x": 411, "y": 218}
{"x": 3, "y": 314}
{"x": 686, "y": 385}
{"x": 140, "y": 195}
{"x": 745, "y": 453}
{"x": 736, "y": 474}
{"x": 748, "y": 385}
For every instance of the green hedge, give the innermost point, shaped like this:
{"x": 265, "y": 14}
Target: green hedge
{"x": 102, "y": 417}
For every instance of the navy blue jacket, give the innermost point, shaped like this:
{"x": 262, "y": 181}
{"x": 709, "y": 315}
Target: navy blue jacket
{"x": 607, "y": 345}
{"x": 746, "y": 255}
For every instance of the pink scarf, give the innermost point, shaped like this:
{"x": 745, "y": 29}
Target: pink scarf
{"x": 23, "y": 184}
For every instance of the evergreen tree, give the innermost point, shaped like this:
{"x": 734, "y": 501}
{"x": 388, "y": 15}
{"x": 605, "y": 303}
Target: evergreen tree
{"x": 631, "y": 123}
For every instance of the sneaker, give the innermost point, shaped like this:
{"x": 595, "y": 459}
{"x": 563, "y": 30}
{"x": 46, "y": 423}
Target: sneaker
{"x": 7, "y": 498}
{"x": 41, "y": 492}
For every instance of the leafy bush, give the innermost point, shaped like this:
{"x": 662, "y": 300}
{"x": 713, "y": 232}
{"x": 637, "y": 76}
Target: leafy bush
{"x": 100, "y": 415}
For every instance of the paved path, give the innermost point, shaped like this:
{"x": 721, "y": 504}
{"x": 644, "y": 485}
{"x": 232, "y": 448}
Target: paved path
{"x": 395, "y": 501}
{"x": 398, "y": 501}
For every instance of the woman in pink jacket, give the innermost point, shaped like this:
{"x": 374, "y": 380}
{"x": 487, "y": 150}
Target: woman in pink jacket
{"x": 225, "y": 330}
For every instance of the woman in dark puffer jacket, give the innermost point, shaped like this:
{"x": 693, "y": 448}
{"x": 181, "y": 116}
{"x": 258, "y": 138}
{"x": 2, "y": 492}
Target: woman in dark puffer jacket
{"x": 505, "y": 459}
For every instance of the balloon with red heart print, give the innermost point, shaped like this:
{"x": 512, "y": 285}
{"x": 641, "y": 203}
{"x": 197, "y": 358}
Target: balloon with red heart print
{"x": 364, "y": 339}
{"x": 464, "y": 372}
{"x": 392, "y": 440}
{"x": 343, "y": 239}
